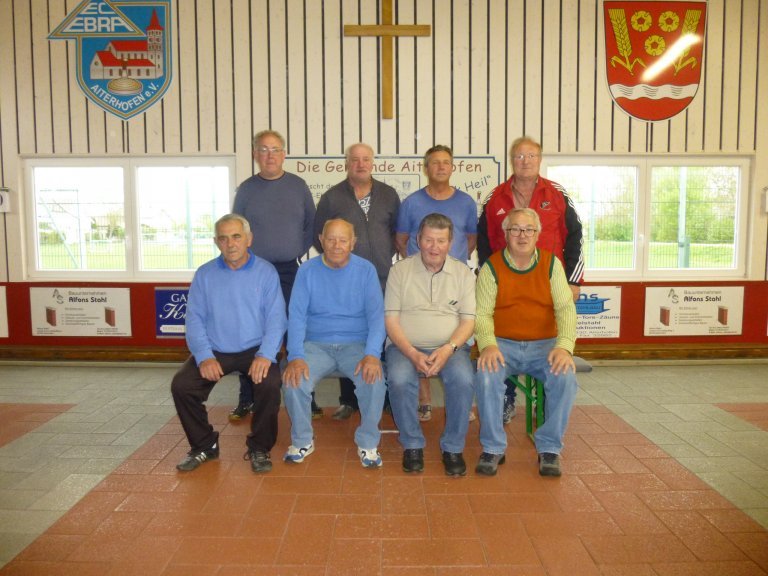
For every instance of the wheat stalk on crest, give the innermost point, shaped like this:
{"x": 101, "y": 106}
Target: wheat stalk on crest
{"x": 623, "y": 43}
{"x": 690, "y": 24}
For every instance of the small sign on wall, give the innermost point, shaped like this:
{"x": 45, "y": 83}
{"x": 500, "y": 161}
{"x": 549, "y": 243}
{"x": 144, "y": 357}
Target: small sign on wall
{"x": 75, "y": 311}
{"x": 693, "y": 310}
{"x": 598, "y": 312}
{"x": 170, "y": 312}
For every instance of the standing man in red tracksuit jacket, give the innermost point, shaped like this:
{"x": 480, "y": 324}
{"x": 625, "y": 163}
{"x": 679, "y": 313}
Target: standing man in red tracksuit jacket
{"x": 560, "y": 225}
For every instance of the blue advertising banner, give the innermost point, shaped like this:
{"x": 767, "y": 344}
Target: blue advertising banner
{"x": 170, "y": 312}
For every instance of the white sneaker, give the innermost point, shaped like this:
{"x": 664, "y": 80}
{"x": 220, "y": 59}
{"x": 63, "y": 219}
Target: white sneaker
{"x": 297, "y": 455}
{"x": 369, "y": 457}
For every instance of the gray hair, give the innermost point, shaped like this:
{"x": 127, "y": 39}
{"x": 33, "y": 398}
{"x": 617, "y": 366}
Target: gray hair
{"x": 531, "y": 213}
{"x": 520, "y": 141}
{"x": 351, "y": 147}
{"x": 233, "y": 218}
{"x": 259, "y": 135}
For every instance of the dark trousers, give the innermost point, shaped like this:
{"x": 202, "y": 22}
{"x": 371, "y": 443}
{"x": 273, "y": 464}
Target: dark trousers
{"x": 286, "y": 271}
{"x": 189, "y": 390}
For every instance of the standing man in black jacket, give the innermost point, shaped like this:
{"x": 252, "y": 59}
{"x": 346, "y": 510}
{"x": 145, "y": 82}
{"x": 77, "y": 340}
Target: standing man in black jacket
{"x": 371, "y": 206}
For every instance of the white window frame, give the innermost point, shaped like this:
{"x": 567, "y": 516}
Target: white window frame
{"x": 642, "y": 225}
{"x": 130, "y": 165}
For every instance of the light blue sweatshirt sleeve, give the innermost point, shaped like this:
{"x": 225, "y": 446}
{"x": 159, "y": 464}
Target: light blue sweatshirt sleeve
{"x": 196, "y": 319}
{"x": 297, "y": 313}
{"x": 374, "y": 310}
{"x": 275, "y": 320}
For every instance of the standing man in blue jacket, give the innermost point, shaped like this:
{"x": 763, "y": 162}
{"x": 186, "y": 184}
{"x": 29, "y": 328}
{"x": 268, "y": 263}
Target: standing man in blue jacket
{"x": 235, "y": 323}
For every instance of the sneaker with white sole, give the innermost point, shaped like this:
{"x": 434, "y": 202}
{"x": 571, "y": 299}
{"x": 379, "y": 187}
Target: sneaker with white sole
{"x": 297, "y": 455}
{"x": 369, "y": 457}
{"x": 194, "y": 458}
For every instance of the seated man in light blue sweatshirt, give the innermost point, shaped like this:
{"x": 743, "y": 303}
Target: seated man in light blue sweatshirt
{"x": 235, "y": 323}
{"x": 336, "y": 323}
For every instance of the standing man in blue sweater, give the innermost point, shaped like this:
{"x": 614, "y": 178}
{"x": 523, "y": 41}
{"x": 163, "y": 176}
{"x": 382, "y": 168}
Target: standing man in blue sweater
{"x": 235, "y": 323}
{"x": 279, "y": 207}
{"x": 336, "y": 323}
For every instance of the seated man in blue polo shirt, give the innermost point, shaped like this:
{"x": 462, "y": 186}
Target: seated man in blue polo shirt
{"x": 235, "y": 323}
{"x": 336, "y": 324}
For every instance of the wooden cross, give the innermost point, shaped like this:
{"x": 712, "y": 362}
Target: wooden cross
{"x": 386, "y": 31}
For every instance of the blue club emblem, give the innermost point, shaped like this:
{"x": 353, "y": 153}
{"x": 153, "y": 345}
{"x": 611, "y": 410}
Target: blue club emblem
{"x": 123, "y": 57}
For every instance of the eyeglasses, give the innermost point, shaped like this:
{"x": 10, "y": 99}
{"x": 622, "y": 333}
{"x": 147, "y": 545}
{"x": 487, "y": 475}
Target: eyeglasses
{"x": 516, "y": 231}
{"x": 268, "y": 150}
{"x": 521, "y": 157}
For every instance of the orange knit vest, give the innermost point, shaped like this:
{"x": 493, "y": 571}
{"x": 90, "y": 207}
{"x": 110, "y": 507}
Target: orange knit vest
{"x": 524, "y": 307}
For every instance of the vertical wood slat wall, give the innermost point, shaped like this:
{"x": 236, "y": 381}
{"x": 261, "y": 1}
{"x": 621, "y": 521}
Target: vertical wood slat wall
{"x": 491, "y": 71}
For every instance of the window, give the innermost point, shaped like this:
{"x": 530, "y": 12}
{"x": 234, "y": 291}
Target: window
{"x": 658, "y": 218}
{"x": 139, "y": 218}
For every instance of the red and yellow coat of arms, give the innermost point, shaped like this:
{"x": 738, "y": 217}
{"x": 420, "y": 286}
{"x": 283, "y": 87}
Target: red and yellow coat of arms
{"x": 654, "y": 54}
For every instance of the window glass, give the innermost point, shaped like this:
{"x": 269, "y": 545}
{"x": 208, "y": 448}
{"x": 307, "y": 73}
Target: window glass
{"x": 693, "y": 217}
{"x": 605, "y": 199}
{"x": 79, "y": 218}
{"x": 177, "y": 209}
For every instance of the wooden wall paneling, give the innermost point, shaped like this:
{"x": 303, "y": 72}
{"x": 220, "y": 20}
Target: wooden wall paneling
{"x": 242, "y": 41}
{"x": 425, "y": 96}
{"x": 152, "y": 125}
{"x": 296, "y": 69}
{"x": 170, "y": 127}
{"x": 365, "y": 119}
{"x": 515, "y": 105}
{"x": 442, "y": 76}
{"x": 225, "y": 119}
{"x": 332, "y": 79}
{"x": 278, "y": 81}
{"x": 640, "y": 135}
{"x": 9, "y": 143}
{"x": 399, "y": 133}
{"x": 188, "y": 82}
{"x": 568, "y": 77}
{"x": 59, "y": 82}
{"x": 713, "y": 84}
{"x": 729, "y": 119}
{"x": 78, "y": 103}
{"x": 42, "y": 79}
{"x": 207, "y": 77}
{"x": 745, "y": 130}
{"x": 462, "y": 78}
{"x": 495, "y": 88}
{"x": 261, "y": 87}
{"x": 533, "y": 77}
{"x": 551, "y": 32}
{"x": 605, "y": 109}
{"x": 136, "y": 140}
{"x": 314, "y": 39}
{"x": 116, "y": 134}
{"x": 759, "y": 109}
{"x": 353, "y": 52}
{"x": 586, "y": 80}
{"x": 478, "y": 79}
{"x": 24, "y": 76}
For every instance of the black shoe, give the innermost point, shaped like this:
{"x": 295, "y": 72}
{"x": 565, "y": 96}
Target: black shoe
{"x": 194, "y": 458}
{"x": 343, "y": 412}
{"x": 488, "y": 463}
{"x": 317, "y": 412}
{"x": 454, "y": 464}
{"x": 549, "y": 464}
{"x": 413, "y": 460}
{"x": 241, "y": 411}
{"x": 260, "y": 461}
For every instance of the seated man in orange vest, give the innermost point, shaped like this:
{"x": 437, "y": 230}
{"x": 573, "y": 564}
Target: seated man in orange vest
{"x": 526, "y": 324}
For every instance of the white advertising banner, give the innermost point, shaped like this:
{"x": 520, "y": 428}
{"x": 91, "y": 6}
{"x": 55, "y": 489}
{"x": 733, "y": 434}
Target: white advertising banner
{"x": 3, "y": 313}
{"x": 475, "y": 175}
{"x": 80, "y": 311}
{"x": 598, "y": 312}
{"x": 693, "y": 310}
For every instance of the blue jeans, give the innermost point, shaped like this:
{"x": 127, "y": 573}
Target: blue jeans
{"x": 525, "y": 358}
{"x": 403, "y": 384}
{"x": 324, "y": 359}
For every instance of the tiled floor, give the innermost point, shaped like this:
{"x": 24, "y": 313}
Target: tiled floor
{"x": 666, "y": 474}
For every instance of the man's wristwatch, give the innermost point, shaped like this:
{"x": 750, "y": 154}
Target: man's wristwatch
{"x": 453, "y": 347}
